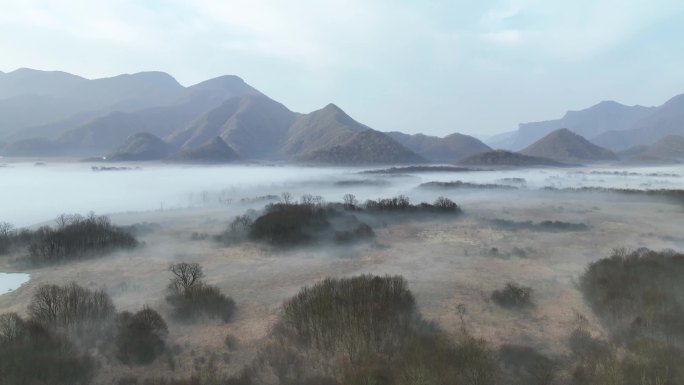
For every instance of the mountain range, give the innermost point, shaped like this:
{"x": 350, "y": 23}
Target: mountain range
{"x": 150, "y": 116}
{"x": 608, "y": 124}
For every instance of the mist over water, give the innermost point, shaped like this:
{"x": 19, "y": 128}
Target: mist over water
{"x": 32, "y": 195}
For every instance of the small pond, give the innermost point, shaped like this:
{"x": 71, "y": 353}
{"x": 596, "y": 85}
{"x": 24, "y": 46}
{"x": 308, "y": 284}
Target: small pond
{"x": 11, "y": 281}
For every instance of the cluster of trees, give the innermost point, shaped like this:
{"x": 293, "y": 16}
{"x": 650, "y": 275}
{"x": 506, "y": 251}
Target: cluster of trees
{"x": 31, "y": 353}
{"x": 402, "y": 203}
{"x": 639, "y": 297}
{"x": 13, "y": 240}
{"x": 65, "y": 322}
{"x": 289, "y": 223}
{"x": 74, "y": 237}
{"x": 72, "y": 309}
{"x": 294, "y": 223}
{"x": 192, "y": 298}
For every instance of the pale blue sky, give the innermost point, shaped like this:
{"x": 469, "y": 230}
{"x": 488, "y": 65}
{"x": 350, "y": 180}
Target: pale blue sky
{"x": 477, "y": 67}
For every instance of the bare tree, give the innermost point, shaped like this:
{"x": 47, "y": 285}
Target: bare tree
{"x": 185, "y": 277}
{"x": 5, "y": 229}
{"x": 350, "y": 201}
{"x": 307, "y": 199}
{"x": 11, "y": 326}
{"x": 287, "y": 198}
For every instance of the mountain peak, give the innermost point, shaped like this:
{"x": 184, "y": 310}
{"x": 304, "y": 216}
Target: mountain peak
{"x": 364, "y": 147}
{"x": 332, "y": 107}
{"x": 224, "y": 87}
{"x": 565, "y": 145}
{"x": 140, "y": 146}
{"x": 214, "y": 151}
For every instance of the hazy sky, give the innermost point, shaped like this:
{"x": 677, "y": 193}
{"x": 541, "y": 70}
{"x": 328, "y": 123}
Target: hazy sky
{"x": 433, "y": 66}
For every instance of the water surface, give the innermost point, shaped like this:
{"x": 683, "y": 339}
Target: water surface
{"x": 11, "y": 281}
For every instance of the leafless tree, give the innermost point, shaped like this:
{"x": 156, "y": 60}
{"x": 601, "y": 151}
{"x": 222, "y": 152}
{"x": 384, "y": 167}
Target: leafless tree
{"x": 5, "y": 229}
{"x": 287, "y": 198}
{"x": 350, "y": 201}
{"x": 185, "y": 277}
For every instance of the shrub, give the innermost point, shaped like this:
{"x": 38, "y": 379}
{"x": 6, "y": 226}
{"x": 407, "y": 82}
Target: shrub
{"x": 140, "y": 337}
{"x": 289, "y": 224}
{"x": 513, "y": 296}
{"x": 191, "y": 297}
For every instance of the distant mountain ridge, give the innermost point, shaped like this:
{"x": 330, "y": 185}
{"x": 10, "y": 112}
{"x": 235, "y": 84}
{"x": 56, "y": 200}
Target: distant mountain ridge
{"x": 609, "y": 124}
{"x": 146, "y": 116}
{"x": 589, "y": 123}
{"x": 669, "y": 149}
{"x": 664, "y": 120}
{"x": 448, "y": 149}
{"x": 503, "y": 158}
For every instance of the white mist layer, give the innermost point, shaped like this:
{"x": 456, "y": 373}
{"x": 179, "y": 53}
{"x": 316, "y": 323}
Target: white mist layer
{"x": 31, "y": 195}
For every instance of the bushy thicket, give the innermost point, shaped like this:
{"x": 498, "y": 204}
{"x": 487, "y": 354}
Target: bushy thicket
{"x": 366, "y": 330}
{"x": 513, "y": 295}
{"x": 290, "y": 223}
{"x": 356, "y": 316}
{"x": 192, "y": 298}
{"x": 31, "y": 354}
{"x": 638, "y": 293}
{"x": 638, "y": 296}
{"x": 74, "y": 237}
{"x": 140, "y": 336}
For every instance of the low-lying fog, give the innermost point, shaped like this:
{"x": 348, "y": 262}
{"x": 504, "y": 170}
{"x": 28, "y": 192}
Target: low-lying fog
{"x": 32, "y": 194}
{"x": 453, "y": 263}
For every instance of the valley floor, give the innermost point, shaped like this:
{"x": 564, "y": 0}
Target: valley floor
{"x": 451, "y": 266}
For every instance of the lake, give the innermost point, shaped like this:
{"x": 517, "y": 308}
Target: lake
{"x": 11, "y": 281}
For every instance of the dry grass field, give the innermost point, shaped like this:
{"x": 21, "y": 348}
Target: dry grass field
{"x": 452, "y": 268}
